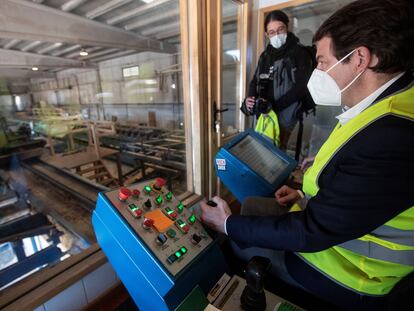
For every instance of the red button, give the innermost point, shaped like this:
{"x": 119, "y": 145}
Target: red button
{"x": 124, "y": 194}
{"x": 138, "y": 212}
{"x": 136, "y": 193}
{"x": 159, "y": 182}
{"x": 186, "y": 228}
{"x": 173, "y": 215}
{"x": 148, "y": 223}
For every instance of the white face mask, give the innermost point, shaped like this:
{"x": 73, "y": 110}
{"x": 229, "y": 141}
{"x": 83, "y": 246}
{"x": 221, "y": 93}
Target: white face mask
{"x": 278, "y": 40}
{"x": 323, "y": 88}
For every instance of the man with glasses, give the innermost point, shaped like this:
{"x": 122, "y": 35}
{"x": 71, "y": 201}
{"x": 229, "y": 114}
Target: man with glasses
{"x": 280, "y": 78}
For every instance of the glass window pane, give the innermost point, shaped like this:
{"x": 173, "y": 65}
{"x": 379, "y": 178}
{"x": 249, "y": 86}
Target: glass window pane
{"x": 305, "y": 19}
{"x": 91, "y": 117}
{"x": 231, "y": 42}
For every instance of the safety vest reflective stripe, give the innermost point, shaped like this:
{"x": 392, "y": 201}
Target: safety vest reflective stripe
{"x": 375, "y": 262}
{"x": 373, "y": 250}
{"x": 395, "y": 235}
{"x": 269, "y": 126}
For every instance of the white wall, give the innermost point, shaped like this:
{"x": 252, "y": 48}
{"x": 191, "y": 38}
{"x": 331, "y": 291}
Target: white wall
{"x": 266, "y": 3}
{"x": 150, "y": 86}
{"x": 6, "y": 105}
{"x": 86, "y": 290}
{"x": 106, "y": 89}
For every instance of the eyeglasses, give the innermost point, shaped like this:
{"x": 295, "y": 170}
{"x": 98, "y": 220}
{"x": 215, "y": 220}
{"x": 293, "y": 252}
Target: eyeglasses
{"x": 273, "y": 32}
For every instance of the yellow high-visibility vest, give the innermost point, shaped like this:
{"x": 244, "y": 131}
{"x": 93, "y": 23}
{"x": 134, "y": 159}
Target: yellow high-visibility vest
{"x": 268, "y": 125}
{"x": 371, "y": 264}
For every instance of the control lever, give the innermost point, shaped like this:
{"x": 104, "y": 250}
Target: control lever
{"x": 197, "y": 212}
{"x": 253, "y": 297}
{"x": 211, "y": 203}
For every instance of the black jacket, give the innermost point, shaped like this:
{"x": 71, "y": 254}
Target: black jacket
{"x": 368, "y": 182}
{"x": 297, "y": 61}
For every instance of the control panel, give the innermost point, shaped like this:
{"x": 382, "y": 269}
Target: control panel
{"x": 156, "y": 245}
{"x": 170, "y": 230}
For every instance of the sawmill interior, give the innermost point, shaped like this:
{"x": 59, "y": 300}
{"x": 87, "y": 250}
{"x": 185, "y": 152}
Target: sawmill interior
{"x": 91, "y": 100}
{"x": 109, "y": 106}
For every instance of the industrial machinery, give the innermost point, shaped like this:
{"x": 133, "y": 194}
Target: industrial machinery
{"x": 249, "y": 165}
{"x": 157, "y": 246}
{"x": 167, "y": 260}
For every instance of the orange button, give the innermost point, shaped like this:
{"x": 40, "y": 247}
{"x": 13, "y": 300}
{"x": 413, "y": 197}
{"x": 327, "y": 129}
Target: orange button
{"x": 161, "y": 222}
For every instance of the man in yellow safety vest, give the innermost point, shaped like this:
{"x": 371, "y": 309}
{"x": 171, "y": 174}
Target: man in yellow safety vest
{"x": 354, "y": 240}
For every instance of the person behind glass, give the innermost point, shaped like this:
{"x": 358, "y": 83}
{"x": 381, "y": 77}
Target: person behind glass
{"x": 281, "y": 75}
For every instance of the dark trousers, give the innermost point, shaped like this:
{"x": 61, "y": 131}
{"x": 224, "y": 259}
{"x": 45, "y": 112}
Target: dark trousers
{"x": 285, "y": 133}
{"x": 259, "y": 206}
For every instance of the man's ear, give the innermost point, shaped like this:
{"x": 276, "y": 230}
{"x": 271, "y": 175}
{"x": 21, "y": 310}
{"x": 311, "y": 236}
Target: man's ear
{"x": 365, "y": 58}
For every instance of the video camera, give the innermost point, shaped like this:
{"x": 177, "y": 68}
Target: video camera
{"x": 261, "y": 104}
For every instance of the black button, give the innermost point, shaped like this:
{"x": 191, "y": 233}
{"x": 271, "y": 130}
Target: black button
{"x": 195, "y": 239}
{"x": 161, "y": 239}
{"x": 148, "y": 203}
{"x": 172, "y": 258}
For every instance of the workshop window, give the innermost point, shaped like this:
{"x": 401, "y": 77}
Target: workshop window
{"x": 100, "y": 109}
{"x": 130, "y": 72}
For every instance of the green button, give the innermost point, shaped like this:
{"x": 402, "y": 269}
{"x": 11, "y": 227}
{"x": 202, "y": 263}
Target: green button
{"x": 168, "y": 196}
{"x": 158, "y": 200}
{"x": 171, "y": 233}
{"x": 132, "y": 207}
{"x": 180, "y": 207}
{"x": 147, "y": 189}
{"x": 178, "y": 254}
{"x": 192, "y": 219}
{"x": 183, "y": 250}
{"x": 169, "y": 210}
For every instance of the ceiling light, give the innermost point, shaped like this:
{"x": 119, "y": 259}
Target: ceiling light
{"x": 147, "y": 1}
{"x": 83, "y": 53}
{"x": 34, "y": 68}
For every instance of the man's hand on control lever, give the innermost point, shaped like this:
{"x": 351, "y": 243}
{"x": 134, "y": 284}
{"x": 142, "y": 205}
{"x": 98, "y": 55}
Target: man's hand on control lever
{"x": 214, "y": 217}
{"x": 286, "y": 196}
{"x": 250, "y": 103}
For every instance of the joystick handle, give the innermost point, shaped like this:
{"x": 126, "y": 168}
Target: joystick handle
{"x": 253, "y": 297}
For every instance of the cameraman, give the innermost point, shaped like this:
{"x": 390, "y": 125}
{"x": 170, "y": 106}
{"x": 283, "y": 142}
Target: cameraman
{"x": 281, "y": 75}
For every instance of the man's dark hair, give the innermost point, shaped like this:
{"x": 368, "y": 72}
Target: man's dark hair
{"x": 385, "y": 27}
{"x": 276, "y": 15}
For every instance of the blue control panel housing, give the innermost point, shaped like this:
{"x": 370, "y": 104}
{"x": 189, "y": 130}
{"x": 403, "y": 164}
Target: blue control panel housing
{"x": 153, "y": 283}
{"x": 250, "y": 165}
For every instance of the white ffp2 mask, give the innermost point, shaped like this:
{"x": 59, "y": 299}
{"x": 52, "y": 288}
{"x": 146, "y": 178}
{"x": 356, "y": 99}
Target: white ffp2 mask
{"x": 323, "y": 88}
{"x": 278, "y": 40}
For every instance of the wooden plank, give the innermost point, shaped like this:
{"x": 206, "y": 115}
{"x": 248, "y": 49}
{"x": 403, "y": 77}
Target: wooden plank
{"x": 194, "y": 48}
{"x": 90, "y": 169}
{"x": 80, "y": 158}
{"x": 18, "y": 296}
{"x": 107, "y": 181}
{"x": 48, "y": 290}
{"x": 185, "y": 56}
{"x": 96, "y": 176}
{"x": 152, "y": 118}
